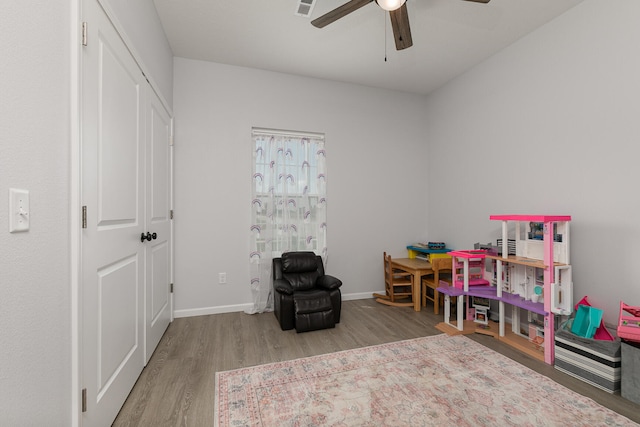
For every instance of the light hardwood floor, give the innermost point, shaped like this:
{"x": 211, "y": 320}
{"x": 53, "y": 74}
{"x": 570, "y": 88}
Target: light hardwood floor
{"x": 177, "y": 386}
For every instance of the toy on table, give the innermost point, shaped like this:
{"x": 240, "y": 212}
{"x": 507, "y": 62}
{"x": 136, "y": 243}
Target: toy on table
{"x": 428, "y": 251}
{"x": 629, "y": 326}
{"x": 436, "y": 245}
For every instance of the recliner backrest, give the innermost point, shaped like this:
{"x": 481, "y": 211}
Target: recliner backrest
{"x": 301, "y": 269}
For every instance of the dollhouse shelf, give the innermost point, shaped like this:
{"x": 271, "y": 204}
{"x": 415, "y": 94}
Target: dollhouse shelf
{"x": 491, "y": 293}
{"x": 530, "y": 262}
{"x": 468, "y": 268}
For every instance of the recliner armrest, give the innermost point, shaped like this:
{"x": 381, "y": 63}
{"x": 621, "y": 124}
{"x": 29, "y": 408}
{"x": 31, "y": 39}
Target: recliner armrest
{"x": 282, "y": 286}
{"x": 328, "y": 282}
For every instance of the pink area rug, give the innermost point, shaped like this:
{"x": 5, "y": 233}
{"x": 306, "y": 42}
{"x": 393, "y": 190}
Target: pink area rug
{"x": 433, "y": 381}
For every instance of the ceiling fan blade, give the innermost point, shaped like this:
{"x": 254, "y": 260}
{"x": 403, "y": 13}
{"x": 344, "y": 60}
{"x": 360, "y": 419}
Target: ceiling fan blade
{"x": 401, "y": 29}
{"x": 339, "y": 12}
{"x": 480, "y": 1}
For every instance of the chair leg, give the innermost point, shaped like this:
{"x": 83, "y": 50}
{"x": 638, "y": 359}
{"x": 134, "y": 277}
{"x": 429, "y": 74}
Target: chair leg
{"x": 381, "y": 296}
{"x": 394, "y": 304}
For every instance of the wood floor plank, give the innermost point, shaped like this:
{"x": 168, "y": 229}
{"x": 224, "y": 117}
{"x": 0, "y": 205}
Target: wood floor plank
{"x": 177, "y": 386}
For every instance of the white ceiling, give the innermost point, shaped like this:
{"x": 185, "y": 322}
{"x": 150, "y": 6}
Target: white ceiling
{"x": 449, "y": 37}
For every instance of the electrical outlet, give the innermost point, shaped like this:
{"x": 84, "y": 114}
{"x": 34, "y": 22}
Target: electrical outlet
{"x": 222, "y": 278}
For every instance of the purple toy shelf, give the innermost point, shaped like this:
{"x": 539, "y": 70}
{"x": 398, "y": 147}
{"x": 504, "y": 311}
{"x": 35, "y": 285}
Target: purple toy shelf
{"x": 490, "y": 292}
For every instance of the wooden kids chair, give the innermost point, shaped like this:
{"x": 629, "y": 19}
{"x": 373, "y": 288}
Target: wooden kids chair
{"x": 432, "y": 281}
{"x": 398, "y": 285}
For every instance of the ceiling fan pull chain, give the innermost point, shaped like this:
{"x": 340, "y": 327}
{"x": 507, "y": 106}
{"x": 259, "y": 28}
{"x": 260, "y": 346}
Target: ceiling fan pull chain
{"x": 385, "y": 35}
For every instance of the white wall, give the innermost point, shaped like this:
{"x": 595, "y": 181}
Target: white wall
{"x": 570, "y": 88}
{"x": 35, "y": 298}
{"x": 549, "y": 125}
{"x": 138, "y": 21}
{"x": 376, "y": 154}
{"x": 35, "y": 277}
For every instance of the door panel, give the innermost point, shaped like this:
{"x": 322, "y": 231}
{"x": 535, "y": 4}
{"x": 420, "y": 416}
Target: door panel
{"x": 160, "y": 276}
{"x": 158, "y": 202}
{"x": 119, "y": 139}
{"x": 117, "y": 339}
{"x": 112, "y": 254}
{"x": 160, "y": 128}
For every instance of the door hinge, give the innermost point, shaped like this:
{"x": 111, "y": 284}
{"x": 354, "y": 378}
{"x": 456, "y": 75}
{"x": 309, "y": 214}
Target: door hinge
{"x": 84, "y": 34}
{"x": 171, "y": 287}
{"x": 171, "y": 141}
{"x": 171, "y": 214}
{"x": 84, "y": 400}
{"x": 84, "y": 217}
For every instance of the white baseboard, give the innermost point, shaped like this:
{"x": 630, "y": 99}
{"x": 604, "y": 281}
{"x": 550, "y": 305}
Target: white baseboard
{"x": 362, "y": 295}
{"x": 205, "y": 311}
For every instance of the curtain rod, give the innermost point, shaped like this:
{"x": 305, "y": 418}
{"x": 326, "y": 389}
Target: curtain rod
{"x": 281, "y": 132}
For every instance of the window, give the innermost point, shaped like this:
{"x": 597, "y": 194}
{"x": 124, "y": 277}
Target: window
{"x": 288, "y": 202}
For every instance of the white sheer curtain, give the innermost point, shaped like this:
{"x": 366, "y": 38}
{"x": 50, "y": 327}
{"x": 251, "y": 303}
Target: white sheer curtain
{"x": 288, "y": 204}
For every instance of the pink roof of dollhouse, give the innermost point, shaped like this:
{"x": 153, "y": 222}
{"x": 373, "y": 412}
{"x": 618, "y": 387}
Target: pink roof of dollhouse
{"x": 471, "y": 253}
{"x": 534, "y": 218}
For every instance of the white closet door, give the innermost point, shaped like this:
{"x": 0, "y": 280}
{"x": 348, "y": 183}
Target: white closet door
{"x": 158, "y": 206}
{"x": 113, "y": 256}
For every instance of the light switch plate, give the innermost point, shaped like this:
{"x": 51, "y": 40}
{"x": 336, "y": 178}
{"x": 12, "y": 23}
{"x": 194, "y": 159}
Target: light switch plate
{"x": 18, "y": 210}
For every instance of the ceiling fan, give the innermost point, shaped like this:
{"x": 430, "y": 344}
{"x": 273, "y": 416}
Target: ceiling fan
{"x": 397, "y": 12}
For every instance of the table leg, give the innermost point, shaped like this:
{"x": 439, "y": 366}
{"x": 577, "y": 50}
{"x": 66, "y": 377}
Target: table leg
{"x": 416, "y": 291}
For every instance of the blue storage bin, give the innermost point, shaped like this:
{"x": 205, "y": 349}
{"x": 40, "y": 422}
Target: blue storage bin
{"x": 587, "y": 320}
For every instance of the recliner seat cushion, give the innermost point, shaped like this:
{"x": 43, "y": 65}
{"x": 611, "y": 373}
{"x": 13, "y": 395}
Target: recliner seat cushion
{"x": 315, "y": 321}
{"x": 313, "y": 311}
{"x": 312, "y": 302}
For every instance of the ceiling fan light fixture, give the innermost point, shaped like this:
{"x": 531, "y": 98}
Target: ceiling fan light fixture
{"x": 390, "y": 5}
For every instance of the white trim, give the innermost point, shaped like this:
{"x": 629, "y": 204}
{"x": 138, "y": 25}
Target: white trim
{"x": 361, "y": 295}
{"x": 281, "y": 132}
{"x": 75, "y": 221}
{"x": 205, "y": 311}
{"x": 172, "y": 227}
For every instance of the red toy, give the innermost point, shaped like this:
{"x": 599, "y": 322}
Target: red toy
{"x": 629, "y": 326}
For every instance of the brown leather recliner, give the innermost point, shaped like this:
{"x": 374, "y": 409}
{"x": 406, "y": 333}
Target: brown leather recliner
{"x": 305, "y": 298}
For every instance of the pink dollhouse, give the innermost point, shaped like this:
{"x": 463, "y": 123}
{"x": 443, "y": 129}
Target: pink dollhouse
{"x": 542, "y": 244}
